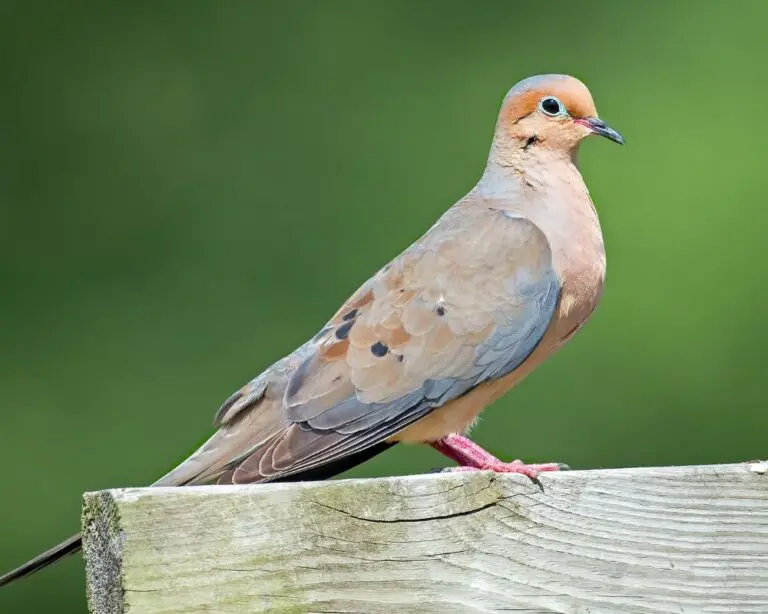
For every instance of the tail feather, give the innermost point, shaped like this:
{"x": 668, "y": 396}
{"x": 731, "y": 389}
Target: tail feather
{"x": 49, "y": 557}
{"x": 189, "y": 472}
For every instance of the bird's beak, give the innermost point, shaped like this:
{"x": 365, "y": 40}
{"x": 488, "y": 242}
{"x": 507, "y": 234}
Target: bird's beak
{"x": 598, "y": 126}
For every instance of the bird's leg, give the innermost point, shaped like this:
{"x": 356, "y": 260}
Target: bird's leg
{"x": 471, "y": 457}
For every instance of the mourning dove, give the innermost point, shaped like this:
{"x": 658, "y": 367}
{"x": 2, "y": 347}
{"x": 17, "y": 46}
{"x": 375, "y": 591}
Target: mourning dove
{"x": 503, "y": 279}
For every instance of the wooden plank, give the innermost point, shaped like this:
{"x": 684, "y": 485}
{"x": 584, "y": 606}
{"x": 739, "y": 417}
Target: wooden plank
{"x": 645, "y": 540}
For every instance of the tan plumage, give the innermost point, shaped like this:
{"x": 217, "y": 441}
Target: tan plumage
{"x": 495, "y": 286}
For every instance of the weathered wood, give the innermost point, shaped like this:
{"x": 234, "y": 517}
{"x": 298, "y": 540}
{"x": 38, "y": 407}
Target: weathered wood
{"x": 675, "y": 539}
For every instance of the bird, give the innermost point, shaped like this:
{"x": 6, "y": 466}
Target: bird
{"x": 502, "y": 280}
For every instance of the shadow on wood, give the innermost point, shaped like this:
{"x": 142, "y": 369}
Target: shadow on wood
{"x": 674, "y": 539}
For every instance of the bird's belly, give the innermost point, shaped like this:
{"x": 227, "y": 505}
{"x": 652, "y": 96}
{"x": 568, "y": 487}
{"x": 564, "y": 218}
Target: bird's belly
{"x": 459, "y": 415}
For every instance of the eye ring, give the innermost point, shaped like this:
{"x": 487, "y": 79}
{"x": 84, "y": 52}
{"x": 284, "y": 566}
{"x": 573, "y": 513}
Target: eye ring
{"x": 551, "y": 106}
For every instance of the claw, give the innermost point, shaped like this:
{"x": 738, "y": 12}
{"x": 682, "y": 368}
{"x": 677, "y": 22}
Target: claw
{"x": 532, "y": 471}
{"x": 472, "y": 457}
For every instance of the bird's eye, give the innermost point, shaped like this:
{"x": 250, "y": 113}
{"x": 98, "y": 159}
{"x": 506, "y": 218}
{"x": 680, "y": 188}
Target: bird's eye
{"x": 551, "y": 106}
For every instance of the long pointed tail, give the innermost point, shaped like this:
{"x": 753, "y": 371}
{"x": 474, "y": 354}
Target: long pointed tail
{"x": 188, "y": 472}
{"x": 49, "y": 557}
{"x": 185, "y": 473}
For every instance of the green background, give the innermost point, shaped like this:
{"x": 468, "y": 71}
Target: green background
{"x": 188, "y": 190}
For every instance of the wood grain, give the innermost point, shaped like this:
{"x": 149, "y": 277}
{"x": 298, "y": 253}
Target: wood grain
{"x": 645, "y": 540}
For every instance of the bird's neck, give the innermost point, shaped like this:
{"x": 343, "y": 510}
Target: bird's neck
{"x": 539, "y": 170}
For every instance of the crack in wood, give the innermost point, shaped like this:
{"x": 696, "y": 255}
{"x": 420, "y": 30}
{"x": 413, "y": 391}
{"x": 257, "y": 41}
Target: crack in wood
{"x": 409, "y": 520}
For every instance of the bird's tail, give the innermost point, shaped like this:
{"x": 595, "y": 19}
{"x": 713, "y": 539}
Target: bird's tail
{"x": 191, "y": 471}
{"x": 49, "y": 557}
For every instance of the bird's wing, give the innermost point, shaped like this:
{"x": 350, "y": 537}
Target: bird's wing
{"x": 466, "y": 304}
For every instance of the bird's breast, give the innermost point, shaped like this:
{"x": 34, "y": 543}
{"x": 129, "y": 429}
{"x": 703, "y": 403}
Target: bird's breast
{"x": 579, "y": 259}
{"x": 581, "y": 289}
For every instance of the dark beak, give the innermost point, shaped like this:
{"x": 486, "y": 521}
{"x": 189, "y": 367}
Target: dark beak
{"x": 598, "y": 126}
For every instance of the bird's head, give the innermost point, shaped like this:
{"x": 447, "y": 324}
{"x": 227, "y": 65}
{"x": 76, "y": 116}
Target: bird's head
{"x": 548, "y": 113}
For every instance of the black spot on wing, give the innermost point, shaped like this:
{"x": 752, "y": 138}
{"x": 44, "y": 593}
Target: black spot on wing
{"x": 379, "y": 349}
{"x": 343, "y": 330}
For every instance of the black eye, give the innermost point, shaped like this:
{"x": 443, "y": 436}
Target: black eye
{"x": 551, "y": 106}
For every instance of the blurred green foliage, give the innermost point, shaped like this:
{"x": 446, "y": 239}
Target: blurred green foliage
{"x": 188, "y": 191}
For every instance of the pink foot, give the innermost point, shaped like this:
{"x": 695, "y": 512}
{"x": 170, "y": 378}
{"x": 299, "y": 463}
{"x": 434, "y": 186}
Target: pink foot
{"x": 472, "y": 457}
